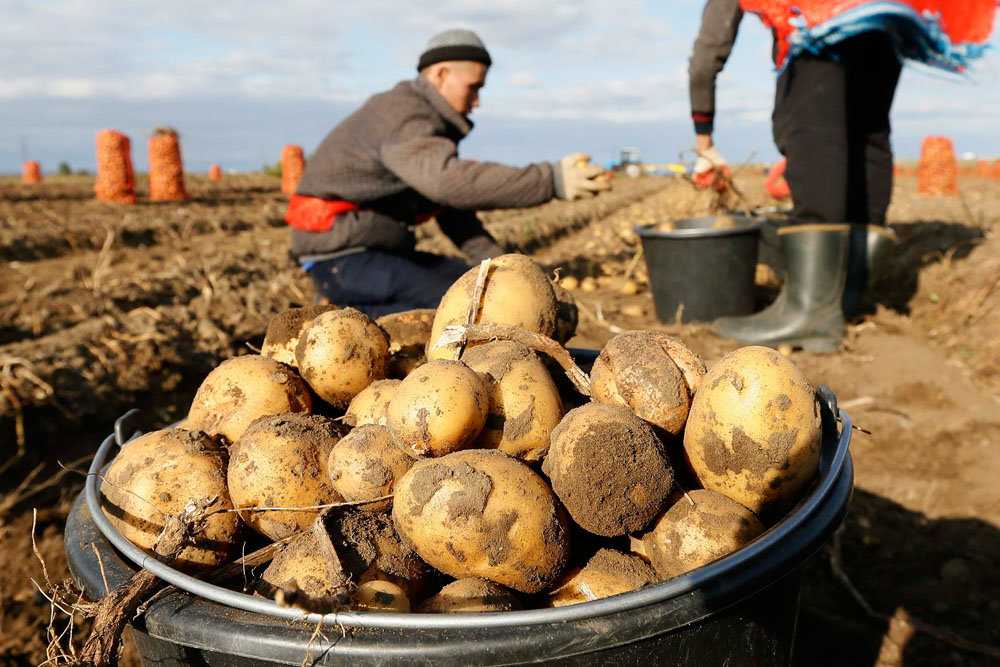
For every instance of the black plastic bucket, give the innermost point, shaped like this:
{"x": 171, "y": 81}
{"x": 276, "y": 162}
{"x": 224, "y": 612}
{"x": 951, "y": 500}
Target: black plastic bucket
{"x": 740, "y": 609}
{"x": 701, "y": 272}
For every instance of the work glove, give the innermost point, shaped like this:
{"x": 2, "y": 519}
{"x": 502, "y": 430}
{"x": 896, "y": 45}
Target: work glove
{"x": 711, "y": 170}
{"x": 574, "y": 177}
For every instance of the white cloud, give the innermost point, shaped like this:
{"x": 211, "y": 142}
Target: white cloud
{"x": 523, "y": 80}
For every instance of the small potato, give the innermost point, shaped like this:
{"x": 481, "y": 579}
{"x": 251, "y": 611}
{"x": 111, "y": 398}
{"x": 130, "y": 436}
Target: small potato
{"x": 609, "y": 469}
{"x": 607, "y": 573}
{"x": 158, "y": 474}
{"x": 697, "y": 529}
{"x": 481, "y": 513}
{"x": 469, "y": 596}
{"x": 382, "y": 596}
{"x": 724, "y": 222}
{"x": 524, "y": 402}
{"x": 754, "y": 431}
{"x": 366, "y": 463}
{"x": 281, "y": 461}
{"x": 340, "y": 353}
{"x": 284, "y": 330}
{"x": 307, "y": 573}
{"x": 242, "y": 389}
{"x": 439, "y": 408}
{"x": 371, "y": 405}
{"x": 408, "y": 333}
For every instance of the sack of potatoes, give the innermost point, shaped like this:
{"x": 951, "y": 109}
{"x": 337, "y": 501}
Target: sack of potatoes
{"x": 458, "y": 461}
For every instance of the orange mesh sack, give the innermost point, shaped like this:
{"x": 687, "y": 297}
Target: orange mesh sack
{"x": 115, "y": 178}
{"x": 984, "y": 169}
{"x": 292, "y": 164}
{"x": 996, "y": 169}
{"x": 215, "y": 173}
{"x": 31, "y": 172}
{"x": 938, "y": 171}
{"x": 166, "y": 172}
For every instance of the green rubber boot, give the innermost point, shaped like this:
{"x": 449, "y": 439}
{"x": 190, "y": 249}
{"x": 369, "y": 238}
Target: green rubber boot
{"x": 807, "y": 313}
{"x": 869, "y": 246}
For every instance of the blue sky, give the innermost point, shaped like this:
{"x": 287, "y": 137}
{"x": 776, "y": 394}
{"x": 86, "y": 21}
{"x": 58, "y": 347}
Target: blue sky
{"x": 241, "y": 79}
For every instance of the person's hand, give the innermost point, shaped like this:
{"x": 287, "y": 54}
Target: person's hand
{"x": 711, "y": 170}
{"x": 575, "y": 177}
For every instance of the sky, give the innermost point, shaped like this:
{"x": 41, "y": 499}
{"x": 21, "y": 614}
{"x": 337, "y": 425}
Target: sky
{"x": 239, "y": 80}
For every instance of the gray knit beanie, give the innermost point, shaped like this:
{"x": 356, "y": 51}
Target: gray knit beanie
{"x": 454, "y": 45}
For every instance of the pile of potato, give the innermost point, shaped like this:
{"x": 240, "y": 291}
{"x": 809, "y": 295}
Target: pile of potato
{"x": 400, "y": 474}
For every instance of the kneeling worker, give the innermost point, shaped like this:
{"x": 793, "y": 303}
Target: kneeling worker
{"x": 394, "y": 163}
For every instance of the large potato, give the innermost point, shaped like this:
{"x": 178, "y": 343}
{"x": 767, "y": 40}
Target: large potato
{"x": 439, "y": 408}
{"x": 754, "y": 430}
{"x": 524, "y": 402}
{"x": 481, "y": 513}
{"x": 408, "y": 333}
{"x": 607, "y": 573}
{"x": 158, "y": 474}
{"x": 609, "y": 469}
{"x": 366, "y": 463}
{"x": 242, "y": 389}
{"x": 281, "y": 461}
{"x": 371, "y": 405}
{"x": 284, "y": 329}
{"x": 517, "y": 292}
{"x": 340, "y": 353}
{"x": 467, "y": 596}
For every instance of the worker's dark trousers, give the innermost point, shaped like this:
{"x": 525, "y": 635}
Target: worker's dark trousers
{"x": 831, "y": 120}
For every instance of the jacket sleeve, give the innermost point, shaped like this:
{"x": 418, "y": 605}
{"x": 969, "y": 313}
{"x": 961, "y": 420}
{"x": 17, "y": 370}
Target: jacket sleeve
{"x": 429, "y": 164}
{"x": 466, "y": 231}
{"x": 720, "y": 21}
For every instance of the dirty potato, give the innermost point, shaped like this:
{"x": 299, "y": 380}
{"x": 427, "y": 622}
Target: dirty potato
{"x": 371, "y": 405}
{"x": 607, "y": 573}
{"x": 470, "y": 596}
{"x": 366, "y": 463}
{"x": 284, "y": 330}
{"x": 408, "y": 333}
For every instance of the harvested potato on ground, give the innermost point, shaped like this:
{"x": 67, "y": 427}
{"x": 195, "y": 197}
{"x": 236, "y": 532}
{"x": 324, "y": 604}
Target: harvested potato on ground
{"x": 366, "y": 463}
{"x": 609, "y": 469}
{"x": 754, "y": 431}
{"x": 381, "y": 596}
{"x": 517, "y": 292}
{"x": 524, "y": 402}
{"x": 281, "y": 461}
{"x": 567, "y": 313}
{"x": 439, "y": 408}
{"x": 408, "y": 333}
{"x": 284, "y": 330}
{"x": 481, "y": 513}
{"x": 371, "y": 405}
{"x": 697, "y": 529}
{"x": 340, "y": 353}
{"x": 607, "y": 573}
{"x": 308, "y": 573}
{"x": 158, "y": 474}
{"x": 240, "y": 390}
{"x": 469, "y": 596}
{"x": 637, "y": 370}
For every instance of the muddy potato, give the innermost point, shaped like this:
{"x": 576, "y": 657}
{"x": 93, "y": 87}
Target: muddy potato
{"x": 469, "y": 596}
{"x": 524, "y": 402}
{"x": 440, "y": 407}
{"x": 607, "y": 573}
{"x": 340, "y": 353}
{"x": 284, "y": 330}
{"x": 724, "y": 222}
{"x": 609, "y": 469}
{"x": 697, "y": 529}
{"x": 242, "y": 389}
{"x": 158, "y": 474}
{"x": 567, "y": 313}
{"x": 408, "y": 333}
{"x": 754, "y": 430}
{"x": 308, "y": 570}
{"x": 281, "y": 461}
{"x": 366, "y": 463}
{"x": 371, "y": 405}
{"x": 381, "y": 596}
{"x": 517, "y": 292}
{"x": 481, "y": 513}
{"x": 641, "y": 371}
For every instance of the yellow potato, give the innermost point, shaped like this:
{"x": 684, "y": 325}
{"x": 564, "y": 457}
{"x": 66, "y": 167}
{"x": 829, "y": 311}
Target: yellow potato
{"x": 284, "y": 330}
{"x": 468, "y": 596}
{"x": 381, "y": 596}
{"x": 607, "y": 573}
{"x": 408, "y": 333}
{"x": 307, "y": 573}
{"x": 371, "y": 405}
{"x": 366, "y": 463}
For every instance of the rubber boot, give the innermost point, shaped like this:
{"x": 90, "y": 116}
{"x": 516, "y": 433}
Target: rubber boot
{"x": 869, "y": 246}
{"x": 807, "y": 313}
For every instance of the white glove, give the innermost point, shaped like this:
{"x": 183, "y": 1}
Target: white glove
{"x": 573, "y": 177}
{"x": 707, "y": 159}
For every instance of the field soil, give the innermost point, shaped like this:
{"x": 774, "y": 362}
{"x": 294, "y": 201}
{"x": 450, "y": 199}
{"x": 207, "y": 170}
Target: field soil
{"x": 106, "y": 307}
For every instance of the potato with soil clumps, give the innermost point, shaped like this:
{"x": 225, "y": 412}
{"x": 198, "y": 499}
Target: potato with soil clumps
{"x": 439, "y": 408}
{"x": 158, "y": 474}
{"x": 567, "y": 313}
{"x": 517, "y": 292}
{"x": 284, "y": 330}
{"x": 524, "y": 403}
{"x": 481, "y": 513}
{"x": 408, "y": 333}
{"x": 340, "y": 353}
{"x": 308, "y": 573}
{"x": 607, "y": 573}
{"x": 697, "y": 529}
{"x": 366, "y": 463}
{"x": 650, "y": 373}
{"x": 754, "y": 431}
{"x": 469, "y": 596}
{"x": 240, "y": 390}
{"x": 281, "y": 461}
{"x": 609, "y": 469}
{"x": 371, "y": 405}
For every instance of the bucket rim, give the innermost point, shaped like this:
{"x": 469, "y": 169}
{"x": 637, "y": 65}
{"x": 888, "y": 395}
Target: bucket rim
{"x": 753, "y": 226}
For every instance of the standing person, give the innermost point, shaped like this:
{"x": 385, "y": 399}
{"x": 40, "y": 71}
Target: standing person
{"x": 393, "y": 164}
{"x": 838, "y": 65}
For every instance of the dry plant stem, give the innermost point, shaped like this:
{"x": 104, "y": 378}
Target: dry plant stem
{"x": 475, "y": 304}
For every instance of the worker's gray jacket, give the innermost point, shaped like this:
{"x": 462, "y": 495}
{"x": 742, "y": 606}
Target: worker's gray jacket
{"x": 720, "y": 21}
{"x": 397, "y": 158}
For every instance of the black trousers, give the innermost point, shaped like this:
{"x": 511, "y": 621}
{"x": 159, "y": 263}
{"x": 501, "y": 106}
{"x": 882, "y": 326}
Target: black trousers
{"x": 831, "y": 120}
